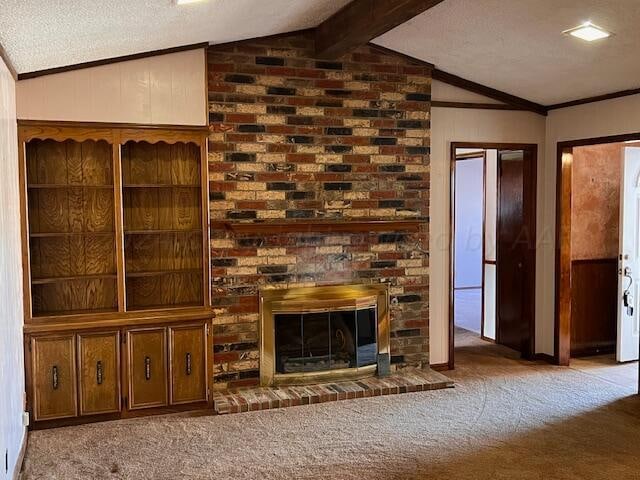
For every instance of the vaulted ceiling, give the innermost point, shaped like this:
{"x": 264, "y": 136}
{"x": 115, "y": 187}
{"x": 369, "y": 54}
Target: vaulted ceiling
{"x": 511, "y": 45}
{"x": 517, "y": 45}
{"x": 39, "y": 35}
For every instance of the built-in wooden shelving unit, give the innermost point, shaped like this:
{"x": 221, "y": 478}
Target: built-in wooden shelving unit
{"x": 115, "y": 229}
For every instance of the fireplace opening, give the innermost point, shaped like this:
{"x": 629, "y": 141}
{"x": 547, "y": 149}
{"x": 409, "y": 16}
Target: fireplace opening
{"x": 323, "y": 333}
{"x": 332, "y": 340}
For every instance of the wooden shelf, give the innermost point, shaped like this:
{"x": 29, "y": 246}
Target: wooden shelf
{"x": 159, "y": 185}
{"x": 321, "y": 226}
{"x": 66, "y": 185}
{"x": 67, "y": 234}
{"x": 159, "y": 232}
{"x": 164, "y": 272}
{"x": 41, "y": 281}
{"x": 80, "y": 319}
{"x": 64, "y": 313}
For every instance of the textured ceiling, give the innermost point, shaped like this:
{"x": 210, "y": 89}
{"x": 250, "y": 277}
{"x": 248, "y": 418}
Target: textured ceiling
{"x": 512, "y": 45}
{"x": 517, "y": 45}
{"x": 41, "y": 34}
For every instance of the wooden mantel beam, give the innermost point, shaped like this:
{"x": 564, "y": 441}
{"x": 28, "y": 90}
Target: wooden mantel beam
{"x": 363, "y": 20}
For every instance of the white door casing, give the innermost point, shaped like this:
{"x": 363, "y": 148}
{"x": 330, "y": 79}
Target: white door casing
{"x": 629, "y": 259}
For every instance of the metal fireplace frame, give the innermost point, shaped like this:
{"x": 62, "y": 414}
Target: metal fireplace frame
{"x": 323, "y": 298}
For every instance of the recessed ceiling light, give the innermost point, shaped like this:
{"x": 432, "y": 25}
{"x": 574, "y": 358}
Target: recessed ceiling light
{"x": 187, "y": 2}
{"x": 588, "y": 32}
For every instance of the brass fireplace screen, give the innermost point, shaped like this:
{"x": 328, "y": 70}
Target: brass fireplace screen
{"x": 315, "y": 334}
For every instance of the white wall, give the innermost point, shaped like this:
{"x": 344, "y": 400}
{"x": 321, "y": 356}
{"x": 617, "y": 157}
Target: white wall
{"x": 11, "y": 315}
{"x": 467, "y": 125}
{"x": 165, "y": 89}
{"x": 468, "y": 222}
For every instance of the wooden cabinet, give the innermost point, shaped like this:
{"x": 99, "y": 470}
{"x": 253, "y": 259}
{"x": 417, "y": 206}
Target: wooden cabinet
{"x": 188, "y": 350}
{"x": 54, "y": 377}
{"x": 99, "y": 372}
{"x": 147, "y": 368}
{"x": 116, "y": 261}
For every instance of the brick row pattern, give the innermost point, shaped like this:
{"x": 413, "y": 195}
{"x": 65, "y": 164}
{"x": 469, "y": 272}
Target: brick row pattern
{"x": 252, "y": 399}
{"x": 292, "y": 137}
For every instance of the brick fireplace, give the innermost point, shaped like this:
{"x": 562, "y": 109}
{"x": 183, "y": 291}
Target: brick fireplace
{"x": 297, "y": 145}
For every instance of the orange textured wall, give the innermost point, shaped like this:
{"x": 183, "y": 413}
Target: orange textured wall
{"x": 595, "y": 201}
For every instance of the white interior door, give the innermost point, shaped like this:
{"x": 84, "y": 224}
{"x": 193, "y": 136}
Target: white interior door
{"x": 629, "y": 263}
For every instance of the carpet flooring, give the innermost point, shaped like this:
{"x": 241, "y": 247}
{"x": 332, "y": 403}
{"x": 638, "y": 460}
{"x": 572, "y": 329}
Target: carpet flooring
{"x": 506, "y": 419}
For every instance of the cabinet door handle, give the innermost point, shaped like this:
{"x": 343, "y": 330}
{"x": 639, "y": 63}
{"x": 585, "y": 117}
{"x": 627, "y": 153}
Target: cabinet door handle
{"x": 54, "y": 377}
{"x": 188, "y": 363}
{"x": 99, "y": 372}
{"x": 147, "y": 368}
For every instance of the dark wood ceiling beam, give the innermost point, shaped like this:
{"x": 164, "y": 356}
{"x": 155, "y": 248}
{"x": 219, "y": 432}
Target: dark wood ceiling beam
{"x": 489, "y": 92}
{"x": 363, "y": 20}
{"x": 598, "y": 98}
{"x": 475, "y": 106}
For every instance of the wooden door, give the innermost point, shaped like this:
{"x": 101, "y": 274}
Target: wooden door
{"x": 147, "y": 367}
{"x": 99, "y": 372}
{"x": 54, "y": 377}
{"x": 515, "y": 245}
{"x": 188, "y": 364}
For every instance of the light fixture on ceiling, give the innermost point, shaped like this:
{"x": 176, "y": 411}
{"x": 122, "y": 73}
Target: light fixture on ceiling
{"x": 588, "y": 32}
{"x": 188, "y": 2}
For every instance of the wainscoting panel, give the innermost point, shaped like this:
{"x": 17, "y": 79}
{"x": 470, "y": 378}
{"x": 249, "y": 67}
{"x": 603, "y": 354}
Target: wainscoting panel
{"x": 594, "y": 289}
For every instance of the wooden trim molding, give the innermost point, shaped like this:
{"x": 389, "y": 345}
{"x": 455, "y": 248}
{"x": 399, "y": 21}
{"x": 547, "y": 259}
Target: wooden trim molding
{"x": 321, "y": 226}
{"x": 146, "y": 126}
{"x": 597, "y": 98}
{"x": 440, "y": 367}
{"x": 582, "y": 261}
{"x": 107, "y": 61}
{"x": 483, "y": 90}
{"x": 563, "y": 261}
{"x": 532, "y": 198}
{"x": 478, "y": 106}
{"x": 17, "y": 472}
{"x": 360, "y": 21}
{"x": 545, "y": 357}
{"x": 7, "y": 61}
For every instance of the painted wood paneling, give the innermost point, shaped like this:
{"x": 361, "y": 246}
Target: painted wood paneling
{"x": 165, "y": 89}
{"x": 11, "y": 317}
{"x": 467, "y": 125}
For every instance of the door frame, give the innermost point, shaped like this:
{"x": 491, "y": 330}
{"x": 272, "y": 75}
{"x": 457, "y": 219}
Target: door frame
{"x": 562, "y": 310}
{"x": 532, "y": 214}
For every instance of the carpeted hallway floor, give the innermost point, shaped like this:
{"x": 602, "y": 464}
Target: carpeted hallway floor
{"x": 506, "y": 419}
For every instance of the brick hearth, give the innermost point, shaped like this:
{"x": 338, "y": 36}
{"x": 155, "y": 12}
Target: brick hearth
{"x": 251, "y": 399}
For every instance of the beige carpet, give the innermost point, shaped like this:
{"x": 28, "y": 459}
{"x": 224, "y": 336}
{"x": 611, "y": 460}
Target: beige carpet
{"x": 506, "y": 419}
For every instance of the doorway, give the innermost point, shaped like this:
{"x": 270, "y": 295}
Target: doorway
{"x": 598, "y": 251}
{"x": 493, "y": 231}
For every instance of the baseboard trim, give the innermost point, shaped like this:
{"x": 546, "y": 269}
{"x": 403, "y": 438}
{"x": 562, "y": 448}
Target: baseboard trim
{"x": 440, "y": 367}
{"x": 545, "y": 357}
{"x": 17, "y": 472}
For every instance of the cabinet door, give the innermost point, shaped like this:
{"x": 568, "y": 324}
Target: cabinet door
{"x": 188, "y": 364}
{"x": 54, "y": 377}
{"x": 99, "y": 372}
{"x": 147, "y": 365}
